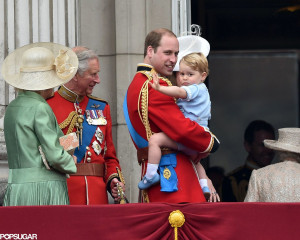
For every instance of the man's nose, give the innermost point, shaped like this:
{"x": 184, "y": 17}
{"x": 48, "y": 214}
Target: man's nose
{"x": 97, "y": 79}
{"x": 173, "y": 58}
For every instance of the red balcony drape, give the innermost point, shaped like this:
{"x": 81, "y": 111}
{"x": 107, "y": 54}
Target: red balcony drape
{"x": 240, "y": 221}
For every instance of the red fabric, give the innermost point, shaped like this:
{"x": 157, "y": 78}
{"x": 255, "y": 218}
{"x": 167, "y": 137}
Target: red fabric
{"x": 96, "y": 185}
{"x": 164, "y": 115}
{"x": 232, "y": 221}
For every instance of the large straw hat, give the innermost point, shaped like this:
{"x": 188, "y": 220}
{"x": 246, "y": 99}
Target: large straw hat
{"x": 40, "y": 66}
{"x": 191, "y": 44}
{"x": 288, "y": 140}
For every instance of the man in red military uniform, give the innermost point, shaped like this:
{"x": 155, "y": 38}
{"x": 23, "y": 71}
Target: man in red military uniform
{"x": 77, "y": 111}
{"x": 147, "y": 110}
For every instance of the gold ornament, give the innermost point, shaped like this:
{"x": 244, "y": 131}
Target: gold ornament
{"x": 176, "y": 220}
{"x": 167, "y": 173}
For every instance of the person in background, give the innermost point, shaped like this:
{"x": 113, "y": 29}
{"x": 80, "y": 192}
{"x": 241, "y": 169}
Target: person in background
{"x": 78, "y": 111}
{"x": 278, "y": 182}
{"x": 148, "y": 111}
{"x": 38, "y": 164}
{"x": 235, "y": 184}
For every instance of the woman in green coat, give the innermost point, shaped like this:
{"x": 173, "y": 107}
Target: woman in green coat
{"x": 38, "y": 164}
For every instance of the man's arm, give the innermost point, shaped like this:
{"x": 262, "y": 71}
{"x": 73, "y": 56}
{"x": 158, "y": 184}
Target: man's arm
{"x": 172, "y": 91}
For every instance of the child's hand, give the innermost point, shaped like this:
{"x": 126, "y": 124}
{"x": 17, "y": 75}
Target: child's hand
{"x": 155, "y": 85}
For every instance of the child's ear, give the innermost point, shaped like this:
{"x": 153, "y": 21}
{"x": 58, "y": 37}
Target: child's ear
{"x": 203, "y": 76}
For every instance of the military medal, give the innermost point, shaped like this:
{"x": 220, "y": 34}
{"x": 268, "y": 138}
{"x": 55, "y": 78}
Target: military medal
{"x": 99, "y": 135}
{"x": 101, "y": 117}
{"x": 97, "y": 148}
{"x": 95, "y": 117}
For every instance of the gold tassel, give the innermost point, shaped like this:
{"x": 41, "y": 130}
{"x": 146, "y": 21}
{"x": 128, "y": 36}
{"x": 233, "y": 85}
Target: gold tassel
{"x": 176, "y": 220}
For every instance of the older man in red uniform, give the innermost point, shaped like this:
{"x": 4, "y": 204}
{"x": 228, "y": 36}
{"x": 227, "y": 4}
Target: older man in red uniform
{"x": 146, "y": 111}
{"x": 77, "y": 111}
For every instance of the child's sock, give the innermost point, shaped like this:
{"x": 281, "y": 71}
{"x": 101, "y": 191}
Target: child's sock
{"x": 151, "y": 170}
{"x": 203, "y": 183}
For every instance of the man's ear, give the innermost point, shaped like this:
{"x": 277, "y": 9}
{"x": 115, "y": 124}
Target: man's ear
{"x": 75, "y": 77}
{"x": 247, "y": 146}
{"x": 150, "y": 51}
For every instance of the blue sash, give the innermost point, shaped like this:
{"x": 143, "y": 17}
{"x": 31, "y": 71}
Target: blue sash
{"x": 88, "y": 130}
{"x": 138, "y": 139}
{"x": 167, "y": 162}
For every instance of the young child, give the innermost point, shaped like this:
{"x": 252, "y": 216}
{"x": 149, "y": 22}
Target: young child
{"x": 194, "y": 102}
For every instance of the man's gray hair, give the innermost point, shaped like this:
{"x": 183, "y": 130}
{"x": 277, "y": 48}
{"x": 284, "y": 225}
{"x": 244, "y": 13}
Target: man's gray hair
{"x": 83, "y": 59}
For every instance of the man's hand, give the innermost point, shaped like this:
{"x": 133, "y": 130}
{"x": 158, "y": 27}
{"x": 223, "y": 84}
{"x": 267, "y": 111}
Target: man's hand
{"x": 214, "y": 196}
{"x": 114, "y": 189}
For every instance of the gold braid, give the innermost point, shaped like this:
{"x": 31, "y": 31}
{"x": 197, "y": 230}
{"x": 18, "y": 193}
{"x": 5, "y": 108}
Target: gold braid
{"x": 70, "y": 121}
{"x": 143, "y": 98}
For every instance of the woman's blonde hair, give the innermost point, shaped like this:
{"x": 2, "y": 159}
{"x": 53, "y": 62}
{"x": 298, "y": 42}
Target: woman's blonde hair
{"x": 196, "y": 61}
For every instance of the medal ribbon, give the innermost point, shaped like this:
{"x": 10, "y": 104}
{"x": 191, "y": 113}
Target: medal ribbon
{"x": 88, "y": 130}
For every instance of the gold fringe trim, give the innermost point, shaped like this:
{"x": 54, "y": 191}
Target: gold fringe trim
{"x": 145, "y": 196}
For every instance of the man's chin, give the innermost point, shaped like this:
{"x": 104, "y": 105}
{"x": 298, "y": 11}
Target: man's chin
{"x": 168, "y": 73}
{"x": 89, "y": 91}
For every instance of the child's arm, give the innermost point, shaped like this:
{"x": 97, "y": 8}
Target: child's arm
{"x": 172, "y": 91}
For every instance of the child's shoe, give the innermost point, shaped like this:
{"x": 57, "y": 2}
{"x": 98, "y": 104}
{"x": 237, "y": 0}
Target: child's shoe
{"x": 146, "y": 182}
{"x": 206, "y": 192}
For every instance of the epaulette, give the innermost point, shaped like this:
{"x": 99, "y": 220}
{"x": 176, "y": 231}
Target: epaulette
{"x": 149, "y": 75}
{"x": 149, "y": 71}
{"x": 96, "y": 98}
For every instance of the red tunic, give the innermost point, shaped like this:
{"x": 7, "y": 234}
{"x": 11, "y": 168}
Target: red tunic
{"x": 164, "y": 115}
{"x": 88, "y": 189}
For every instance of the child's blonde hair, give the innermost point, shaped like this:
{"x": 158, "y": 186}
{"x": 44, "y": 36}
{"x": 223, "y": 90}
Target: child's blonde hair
{"x": 197, "y": 62}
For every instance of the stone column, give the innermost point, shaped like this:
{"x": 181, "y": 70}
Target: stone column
{"x": 134, "y": 19}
